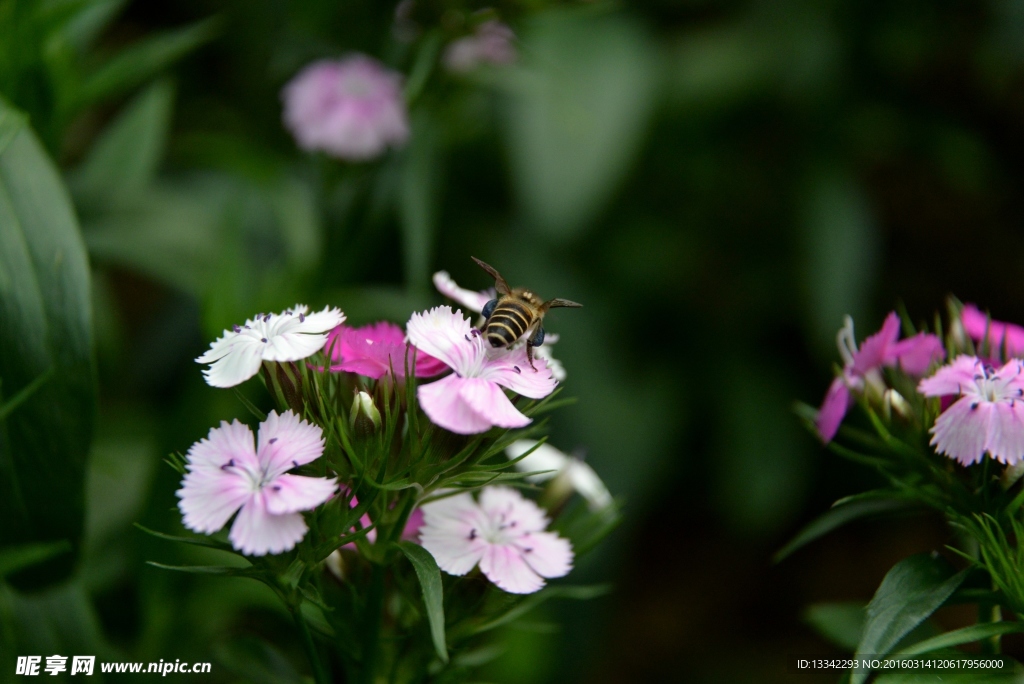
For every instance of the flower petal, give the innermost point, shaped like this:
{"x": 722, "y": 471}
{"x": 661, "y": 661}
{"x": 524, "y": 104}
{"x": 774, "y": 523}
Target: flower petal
{"x": 240, "y": 359}
{"x": 286, "y": 442}
{"x": 489, "y": 401}
{"x": 915, "y": 354}
{"x": 471, "y": 299}
{"x": 450, "y": 532}
{"x": 548, "y": 554}
{"x": 257, "y": 532}
{"x": 978, "y": 327}
{"x": 446, "y": 335}
{"x": 209, "y": 499}
{"x": 962, "y": 430}
{"x": 511, "y": 507}
{"x": 504, "y": 565}
{"x": 952, "y": 378}
{"x": 444, "y": 404}
{"x": 544, "y": 457}
{"x": 510, "y": 368}
{"x": 1005, "y": 440}
{"x": 833, "y": 409}
{"x": 875, "y": 350}
{"x": 294, "y": 493}
{"x": 589, "y": 485}
{"x": 231, "y": 441}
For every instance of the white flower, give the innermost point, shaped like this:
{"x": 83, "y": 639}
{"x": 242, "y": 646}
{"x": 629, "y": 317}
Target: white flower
{"x": 289, "y": 336}
{"x": 569, "y": 471}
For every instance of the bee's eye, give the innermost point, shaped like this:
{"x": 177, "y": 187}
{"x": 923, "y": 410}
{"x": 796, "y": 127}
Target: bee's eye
{"x": 538, "y": 338}
{"x": 489, "y": 308}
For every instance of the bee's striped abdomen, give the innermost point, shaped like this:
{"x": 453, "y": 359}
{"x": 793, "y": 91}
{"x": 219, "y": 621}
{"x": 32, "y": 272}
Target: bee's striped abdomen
{"x": 507, "y": 323}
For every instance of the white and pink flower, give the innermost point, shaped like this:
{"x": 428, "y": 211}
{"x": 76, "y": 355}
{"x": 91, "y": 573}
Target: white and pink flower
{"x": 862, "y": 366}
{"x": 568, "y": 472}
{"x": 504, "y": 533}
{"x": 988, "y": 416}
{"x": 228, "y": 472}
{"x": 288, "y": 336}
{"x": 492, "y": 42}
{"x": 351, "y": 108}
{"x": 471, "y": 399}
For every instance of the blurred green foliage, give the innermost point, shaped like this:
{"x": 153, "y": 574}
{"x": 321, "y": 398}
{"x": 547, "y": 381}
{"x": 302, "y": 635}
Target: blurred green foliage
{"x": 717, "y": 181}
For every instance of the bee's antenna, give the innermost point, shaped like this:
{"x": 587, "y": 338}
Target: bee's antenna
{"x": 499, "y": 283}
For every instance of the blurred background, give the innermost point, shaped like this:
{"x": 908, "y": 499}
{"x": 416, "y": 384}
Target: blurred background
{"x": 718, "y": 181}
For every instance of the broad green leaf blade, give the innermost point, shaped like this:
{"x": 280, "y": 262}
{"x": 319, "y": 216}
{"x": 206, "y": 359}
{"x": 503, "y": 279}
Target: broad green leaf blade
{"x": 433, "y": 596}
{"x": 139, "y": 62}
{"x": 45, "y": 326}
{"x": 965, "y": 635}
{"x": 840, "y": 623}
{"x": 910, "y": 592}
{"x": 841, "y": 513}
{"x": 15, "y": 558}
{"x": 125, "y": 158}
{"x": 578, "y": 109}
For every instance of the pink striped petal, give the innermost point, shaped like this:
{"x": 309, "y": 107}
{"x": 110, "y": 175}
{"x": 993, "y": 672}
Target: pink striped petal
{"x": 546, "y": 553}
{"x": 510, "y": 368}
{"x": 952, "y": 378}
{"x": 471, "y": 299}
{"x": 207, "y": 500}
{"x": 231, "y": 441}
{"x": 489, "y": 401}
{"x": 874, "y": 351}
{"x": 451, "y": 532}
{"x": 445, "y": 405}
{"x": 833, "y": 409}
{"x": 962, "y": 431}
{"x": 446, "y": 335}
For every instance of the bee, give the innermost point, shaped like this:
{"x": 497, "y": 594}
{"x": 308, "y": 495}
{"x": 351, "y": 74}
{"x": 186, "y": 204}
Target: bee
{"x": 516, "y": 313}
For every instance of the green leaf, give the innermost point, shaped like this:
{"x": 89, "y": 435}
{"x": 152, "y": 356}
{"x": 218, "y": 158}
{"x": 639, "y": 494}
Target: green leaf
{"x": 910, "y": 592}
{"x": 205, "y": 569}
{"x": 418, "y": 201}
{"x": 46, "y": 311}
{"x": 578, "y": 108}
{"x": 844, "y": 511}
{"x": 125, "y": 158}
{"x": 142, "y": 61}
{"x": 964, "y": 635}
{"x": 840, "y": 623}
{"x": 429, "y": 576}
{"x": 15, "y": 558}
{"x": 27, "y": 391}
{"x": 580, "y": 593}
{"x": 195, "y": 541}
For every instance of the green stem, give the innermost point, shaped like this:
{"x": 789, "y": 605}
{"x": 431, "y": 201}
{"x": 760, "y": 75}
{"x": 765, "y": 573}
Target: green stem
{"x": 371, "y": 625}
{"x": 319, "y": 673}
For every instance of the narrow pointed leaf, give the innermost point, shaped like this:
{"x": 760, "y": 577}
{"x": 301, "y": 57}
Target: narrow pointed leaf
{"x": 433, "y": 596}
{"x": 965, "y": 635}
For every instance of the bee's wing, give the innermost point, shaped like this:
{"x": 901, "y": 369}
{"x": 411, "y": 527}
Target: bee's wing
{"x": 556, "y": 303}
{"x": 499, "y": 283}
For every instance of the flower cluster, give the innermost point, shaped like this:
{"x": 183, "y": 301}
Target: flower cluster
{"x": 981, "y": 390}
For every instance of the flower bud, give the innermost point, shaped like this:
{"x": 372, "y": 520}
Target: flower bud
{"x": 894, "y": 404}
{"x": 364, "y": 419}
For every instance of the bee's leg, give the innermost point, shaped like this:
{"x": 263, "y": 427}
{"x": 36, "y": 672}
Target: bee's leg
{"x": 529, "y": 354}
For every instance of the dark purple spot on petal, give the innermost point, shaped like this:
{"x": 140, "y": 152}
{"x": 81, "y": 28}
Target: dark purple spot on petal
{"x": 264, "y": 340}
{"x": 295, "y": 463}
{"x": 528, "y": 550}
{"x": 229, "y": 464}
{"x": 276, "y": 488}
{"x": 272, "y": 440}
{"x": 472, "y": 534}
{"x": 236, "y": 328}
{"x": 974, "y": 406}
{"x": 266, "y": 318}
{"x": 467, "y": 338}
{"x": 302, "y": 318}
{"x": 517, "y": 369}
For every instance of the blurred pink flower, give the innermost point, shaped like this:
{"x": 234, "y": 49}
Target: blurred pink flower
{"x": 491, "y": 43}
{"x": 913, "y": 355}
{"x": 976, "y": 325}
{"x": 226, "y": 473}
{"x": 289, "y": 336}
{"x": 986, "y": 417}
{"x": 471, "y": 400}
{"x": 504, "y": 533}
{"x": 351, "y": 108}
{"x": 375, "y": 349}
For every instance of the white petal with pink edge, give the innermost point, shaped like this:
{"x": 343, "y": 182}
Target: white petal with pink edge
{"x": 207, "y": 500}
{"x": 548, "y": 554}
{"x": 443, "y": 403}
{"x": 446, "y": 335}
{"x": 471, "y": 299}
{"x": 229, "y": 441}
{"x": 285, "y": 442}
{"x": 256, "y": 532}
{"x": 504, "y": 566}
{"x": 952, "y": 378}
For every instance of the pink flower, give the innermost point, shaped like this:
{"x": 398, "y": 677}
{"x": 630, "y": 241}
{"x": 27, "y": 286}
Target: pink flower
{"x": 374, "y": 350}
{"x": 471, "y": 399}
{"x": 976, "y": 325}
{"x": 491, "y": 43}
{"x": 503, "y": 533}
{"x": 227, "y": 473}
{"x": 861, "y": 365}
{"x": 352, "y": 108}
{"x": 986, "y": 417}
